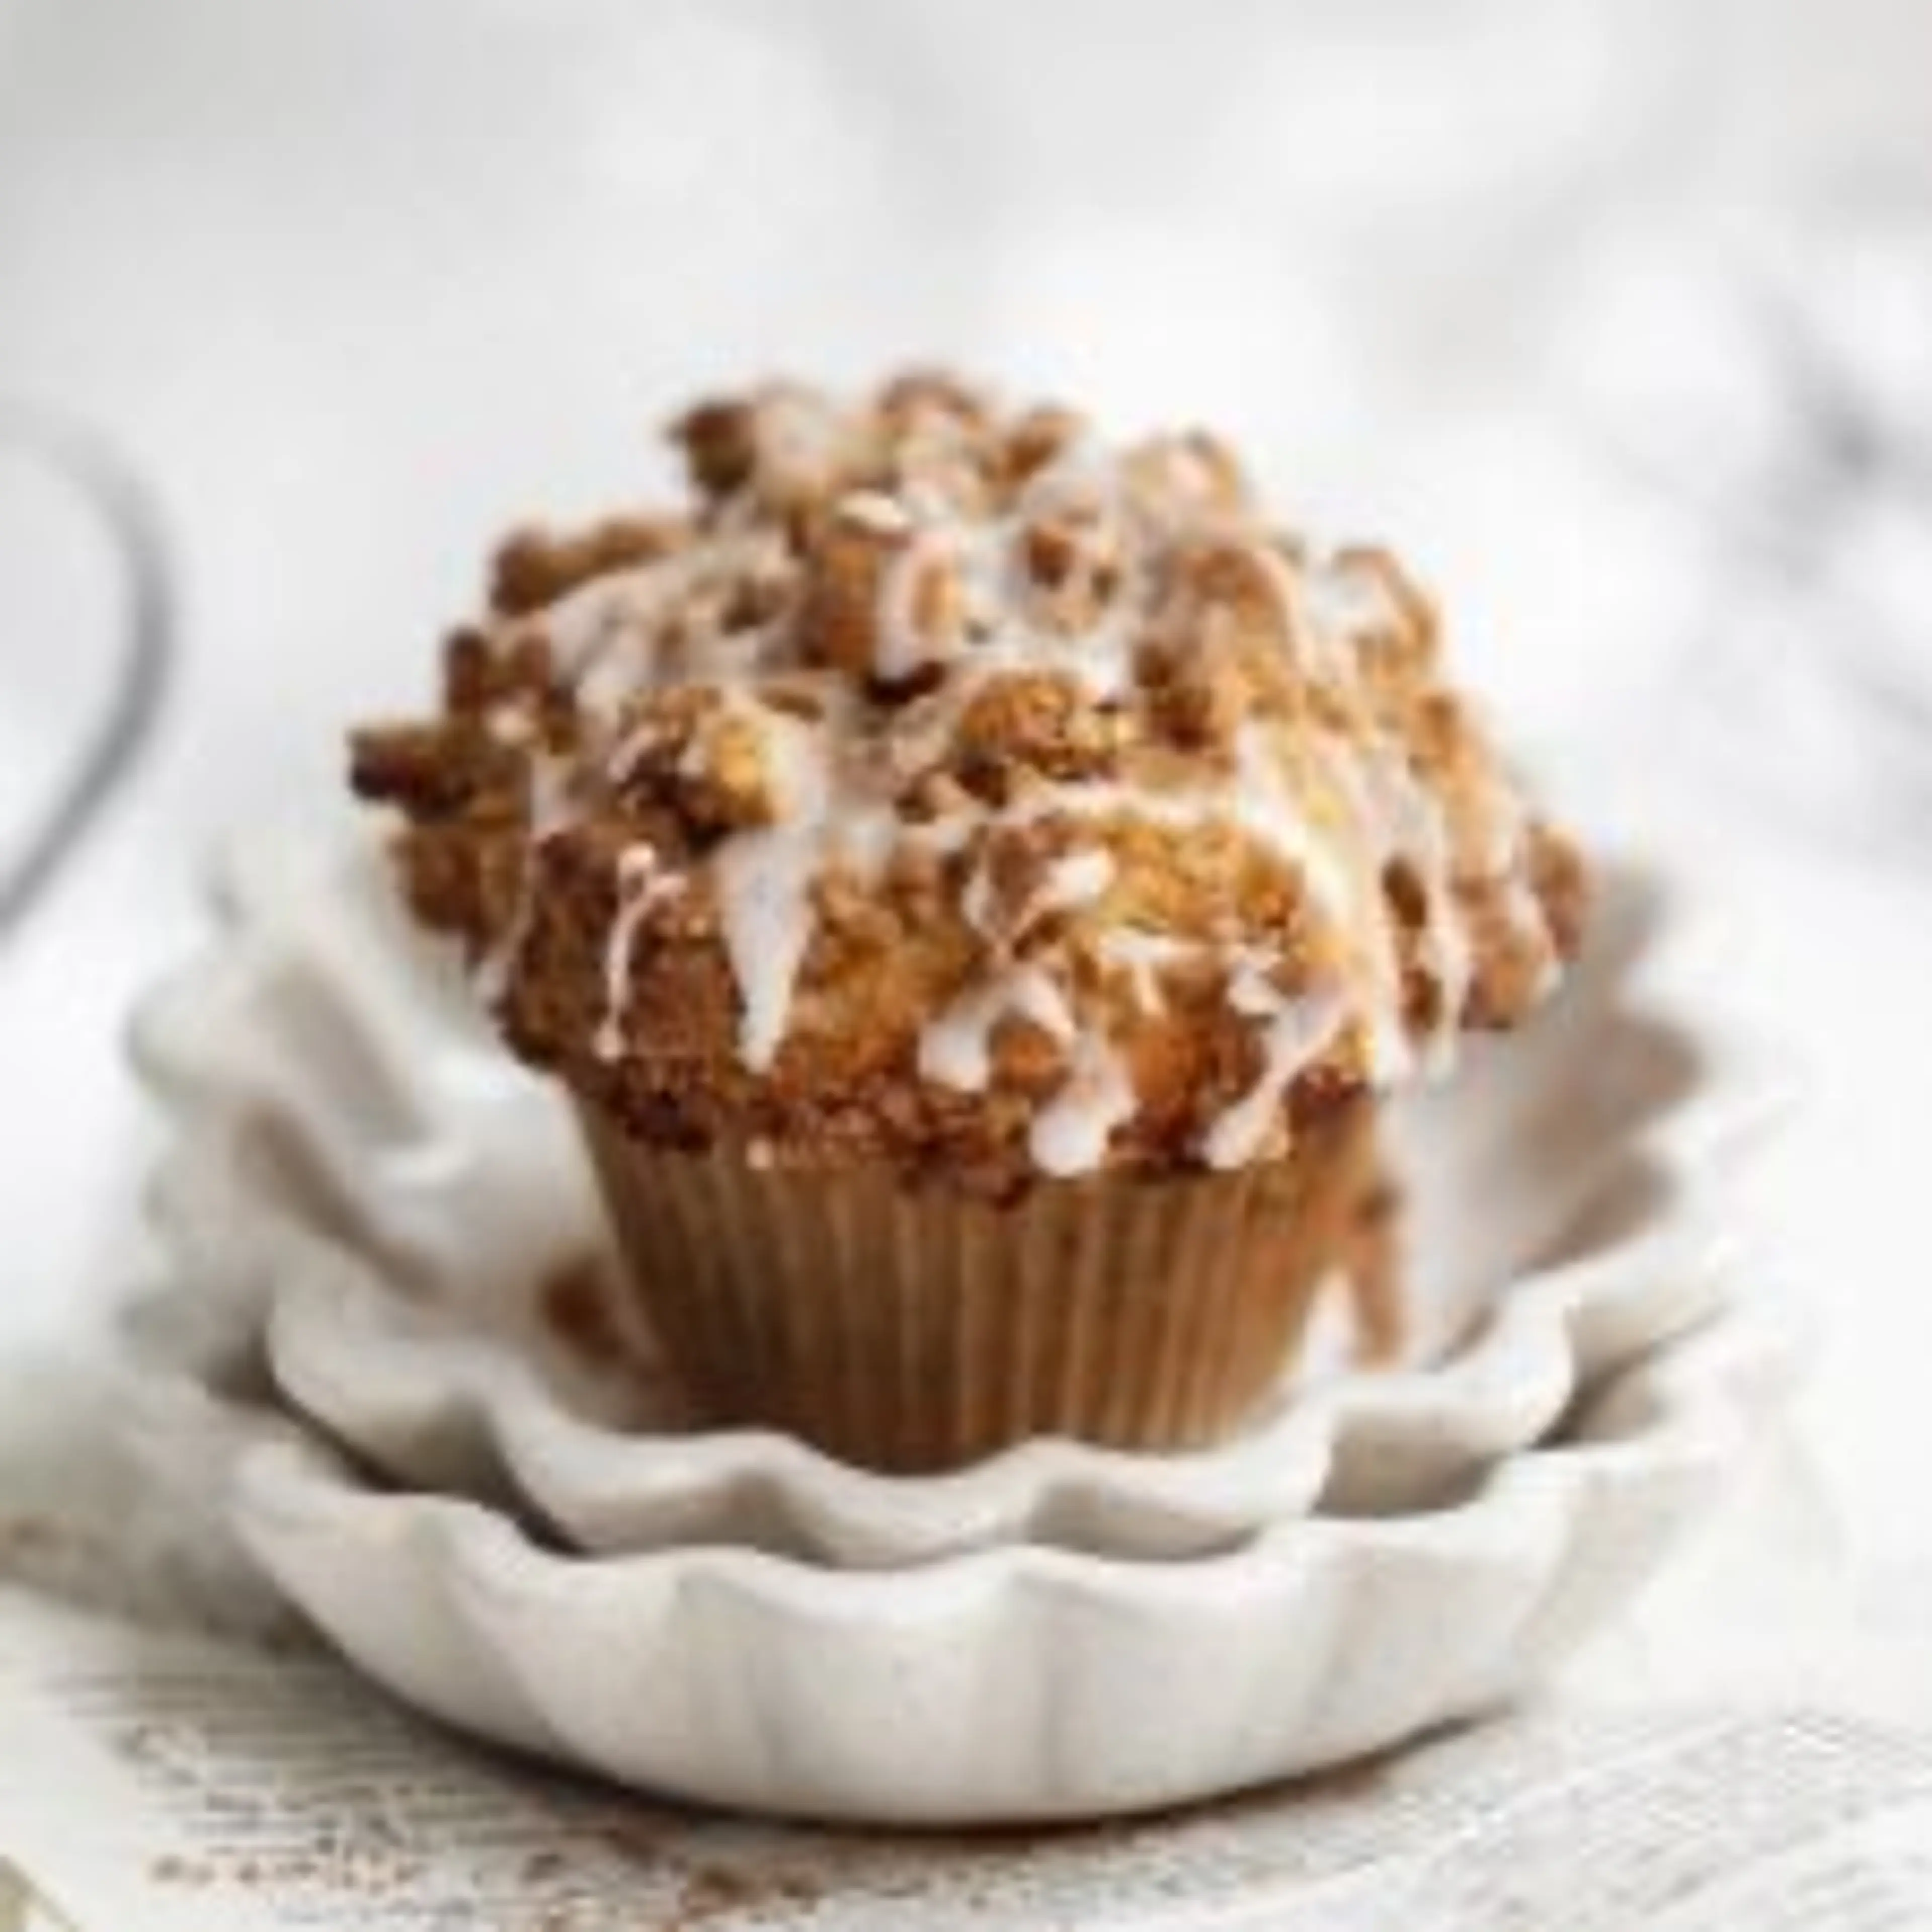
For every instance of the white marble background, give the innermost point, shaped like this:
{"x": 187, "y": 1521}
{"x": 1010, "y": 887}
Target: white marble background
{"x": 1619, "y": 318}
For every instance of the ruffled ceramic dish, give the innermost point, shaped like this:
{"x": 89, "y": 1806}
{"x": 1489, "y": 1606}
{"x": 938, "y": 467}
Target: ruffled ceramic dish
{"x": 353, "y": 1152}
{"x": 1016, "y": 1683}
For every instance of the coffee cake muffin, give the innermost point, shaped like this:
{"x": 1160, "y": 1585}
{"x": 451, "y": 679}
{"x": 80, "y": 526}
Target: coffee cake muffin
{"x": 976, "y": 884}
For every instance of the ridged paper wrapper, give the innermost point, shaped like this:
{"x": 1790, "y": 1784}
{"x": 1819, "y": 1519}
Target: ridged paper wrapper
{"x": 913, "y": 1327}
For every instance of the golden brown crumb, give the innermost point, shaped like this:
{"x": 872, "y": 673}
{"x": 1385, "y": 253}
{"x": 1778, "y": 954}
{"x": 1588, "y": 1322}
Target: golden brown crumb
{"x": 1034, "y": 440}
{"x": 839, "y": 620}
{"x": 534, "y": 568}
{"x": 1030, "y": 721}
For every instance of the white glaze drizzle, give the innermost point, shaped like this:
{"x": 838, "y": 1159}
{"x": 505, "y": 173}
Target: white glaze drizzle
{"x": 1074, "y": 880}
{"x": 798, "y": 434}
{"x": 764, "y": 877}
{"x": 976, "y": 903}
{"x": 590, "y": 628}
{"x": 1340, "y": 605}
{"x": 606, "y": 635}
{"x": 1299, "y": 1032}
{"x": 1069, "y": 1135}
{"x": 642, "y": 884}
{"x": 864, "y": 834}
{"x": 873, "y": 511}
{"x": 548, "y": 804}
{"x": 991, "y": 559}
{"x": 1262, "y": 803}
{"x": 1256, "y": 798}
{"x": 1143, "y": 956}
{"x": 509, "y": 723}
{"x": 955, "y": 1049}
{"x": 491, "y": 977}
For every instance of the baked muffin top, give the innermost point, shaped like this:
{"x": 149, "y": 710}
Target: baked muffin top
{"x": 945, "y": 786}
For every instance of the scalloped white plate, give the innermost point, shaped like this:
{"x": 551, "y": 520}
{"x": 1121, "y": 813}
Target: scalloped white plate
{"x": 1016, "y": 1683}
{"x": 354, "y": 1153}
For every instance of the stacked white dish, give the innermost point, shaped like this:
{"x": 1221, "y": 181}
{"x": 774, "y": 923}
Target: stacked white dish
{"x": 385, "y": 1251}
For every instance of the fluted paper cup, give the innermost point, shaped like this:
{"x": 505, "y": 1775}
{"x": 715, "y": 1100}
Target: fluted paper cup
{"x": 912, "y": 1328}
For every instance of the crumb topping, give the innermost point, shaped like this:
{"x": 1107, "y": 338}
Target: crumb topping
{"x": 946, "y": 785}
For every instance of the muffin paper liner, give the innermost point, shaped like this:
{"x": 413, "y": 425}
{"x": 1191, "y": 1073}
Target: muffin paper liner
{"x": 908, "y": 1330}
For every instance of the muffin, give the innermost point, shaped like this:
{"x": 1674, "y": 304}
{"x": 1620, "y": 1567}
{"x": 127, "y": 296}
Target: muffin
{"x": 976, "y": 884}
